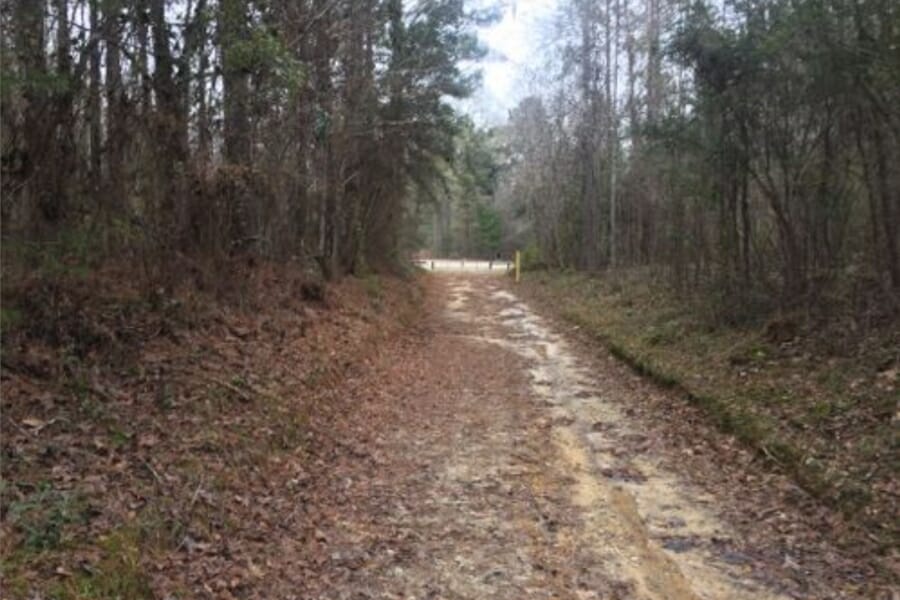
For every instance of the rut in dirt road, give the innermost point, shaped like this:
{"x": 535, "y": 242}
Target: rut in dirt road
{"x": 514, "y": 473}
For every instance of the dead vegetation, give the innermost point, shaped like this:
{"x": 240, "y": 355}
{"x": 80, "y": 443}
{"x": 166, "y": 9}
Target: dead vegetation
{"x": 154, "y": 449}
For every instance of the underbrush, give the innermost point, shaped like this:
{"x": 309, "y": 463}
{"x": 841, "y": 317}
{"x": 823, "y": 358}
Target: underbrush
{"x": 814, "y": 396}
{"x": 142, "y": 433}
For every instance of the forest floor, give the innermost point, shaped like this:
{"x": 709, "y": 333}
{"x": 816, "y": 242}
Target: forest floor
{"x": 387, "y": 445}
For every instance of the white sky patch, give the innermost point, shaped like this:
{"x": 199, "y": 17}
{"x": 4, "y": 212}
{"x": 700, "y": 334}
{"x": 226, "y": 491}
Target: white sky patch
{"x": 514, "y": 45}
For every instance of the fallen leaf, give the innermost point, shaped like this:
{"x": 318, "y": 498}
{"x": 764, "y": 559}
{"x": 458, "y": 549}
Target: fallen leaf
{"x": 147, "y": 440}
{"x": 34, "y": 423}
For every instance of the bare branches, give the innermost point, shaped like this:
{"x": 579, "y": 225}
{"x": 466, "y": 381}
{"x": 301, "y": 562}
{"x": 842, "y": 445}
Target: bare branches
{"x": 728, "y": 167}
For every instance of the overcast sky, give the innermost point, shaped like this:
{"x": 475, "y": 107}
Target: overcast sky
{"x": 516, "y": 45}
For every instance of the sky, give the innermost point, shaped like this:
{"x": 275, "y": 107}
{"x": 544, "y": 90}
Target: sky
{"x": 515, "y": 44}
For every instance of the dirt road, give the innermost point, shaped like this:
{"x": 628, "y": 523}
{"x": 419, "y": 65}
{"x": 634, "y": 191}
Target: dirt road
{"x": 514, "y": 468}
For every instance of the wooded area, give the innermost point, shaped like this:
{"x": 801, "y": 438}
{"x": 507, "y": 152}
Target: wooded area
{"x": 459, "y": 216}
{"x": 170, "y": 131}
{"x": 747, "y": 149}
{"x": 221, "y": 379}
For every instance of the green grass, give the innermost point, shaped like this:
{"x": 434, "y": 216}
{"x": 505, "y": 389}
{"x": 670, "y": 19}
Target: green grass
{"x": 117, "y": 576}
{"x": 43, "y": 516}
{"x": 116, "y": 571}
{"x": 10, "y": 318}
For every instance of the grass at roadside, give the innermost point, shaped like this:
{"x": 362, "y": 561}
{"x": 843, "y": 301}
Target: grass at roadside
{"x": 824, "y": 412}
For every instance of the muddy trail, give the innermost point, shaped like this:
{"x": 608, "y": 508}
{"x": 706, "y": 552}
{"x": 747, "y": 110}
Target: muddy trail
{"x": 514, "y": 464}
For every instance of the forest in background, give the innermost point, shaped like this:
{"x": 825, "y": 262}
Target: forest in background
{"x": 460, "y": 216}
{"x": 744, "y": 151}
{"x": 178, "y": 136}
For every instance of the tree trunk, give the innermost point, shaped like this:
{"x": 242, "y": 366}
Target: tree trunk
{"x": 95, "y": 106}
{"x": 590, "y": 225}
{"x": 613, "y": 132}
{"x": 115, "y": 103}
{"x": 63, "y": 152}
{"x": 883, "y": 173}
{"x": 29, "y": 29}
{"x": 234, "y": 35}
{"x": 167, "y": 122}
{"x": 746, "y": 226}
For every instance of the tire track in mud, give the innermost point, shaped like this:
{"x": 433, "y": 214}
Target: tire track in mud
{"x": 512, "y": 473}
{"x": 629, "y": 511}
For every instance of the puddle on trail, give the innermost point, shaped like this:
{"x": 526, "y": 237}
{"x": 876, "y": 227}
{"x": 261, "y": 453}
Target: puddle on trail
{"x": 643, "y": 524}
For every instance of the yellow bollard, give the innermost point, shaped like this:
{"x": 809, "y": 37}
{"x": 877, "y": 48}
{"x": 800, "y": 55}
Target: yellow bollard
{"x": 518, "y": 266}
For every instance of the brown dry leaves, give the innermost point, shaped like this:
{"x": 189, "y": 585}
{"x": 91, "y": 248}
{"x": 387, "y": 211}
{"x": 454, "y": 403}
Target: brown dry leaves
{"x": 199, "y": 452}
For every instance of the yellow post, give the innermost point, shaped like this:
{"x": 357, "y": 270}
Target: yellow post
{"x": 518, "y": 266}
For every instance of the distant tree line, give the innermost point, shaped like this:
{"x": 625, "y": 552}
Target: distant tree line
{"x": 457, "y": 216}
{"x": 153, "y": 130}
{"x": 750, "y": 149}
